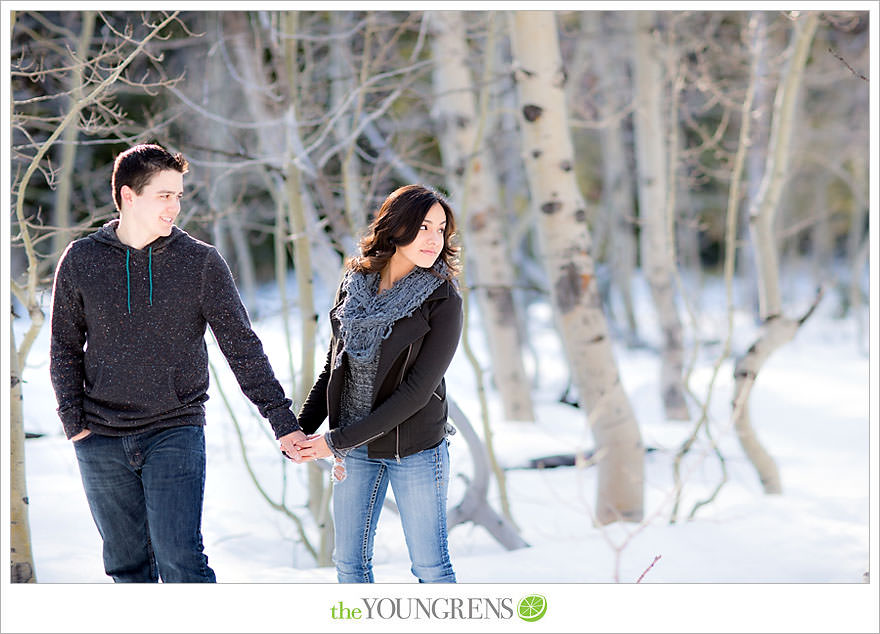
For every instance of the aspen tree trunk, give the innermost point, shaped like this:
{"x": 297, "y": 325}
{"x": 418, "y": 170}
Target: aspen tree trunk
{"x": 513, "y": 189}
{"x": 341, "y": 84}
{"x": 777, "y": 330}
{"x": 658, "y": 250}
{"x": 764, "y": 208}
{"x": 455, "y": 112}
{"x": 21, "y": 557}
{"x": 68, "y": 141}
{"x": 617, "y": 183}
{"x": 244, "y": 261}
{"x": 730, "y": 254}
{"x": 269, "y": 143}
{"x": 291, "y": 225}
{"x": 449, "y": 33}
{"x": 318, "y": 486}
{"x": 505, "y": 141}
{"x": 296, "y": 215}
{"x": 757, "y": 152}
{"x": 285, "y": 144}
{"x": 565, "y": 240}
{"x": 229, "y": 233}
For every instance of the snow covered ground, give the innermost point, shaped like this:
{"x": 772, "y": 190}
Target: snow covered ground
{"x": 746, "y": 562}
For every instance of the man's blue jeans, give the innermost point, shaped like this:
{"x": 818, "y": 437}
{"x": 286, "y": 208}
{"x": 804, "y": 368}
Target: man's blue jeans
{"x": 420, "y": 483}
{"x": 145, "y": 492}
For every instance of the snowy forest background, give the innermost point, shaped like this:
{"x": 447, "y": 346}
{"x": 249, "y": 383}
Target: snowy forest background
{"x": 664, "y": 221}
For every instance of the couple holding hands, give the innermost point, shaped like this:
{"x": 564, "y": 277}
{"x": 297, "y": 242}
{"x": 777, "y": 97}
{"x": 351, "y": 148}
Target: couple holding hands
{"x": 129, "y": 365}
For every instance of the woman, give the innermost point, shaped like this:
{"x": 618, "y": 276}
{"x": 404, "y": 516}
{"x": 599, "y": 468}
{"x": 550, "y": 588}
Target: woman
{"x": 396, "y": 324}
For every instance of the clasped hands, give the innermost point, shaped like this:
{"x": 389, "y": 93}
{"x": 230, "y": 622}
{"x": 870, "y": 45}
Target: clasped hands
{"x": 301, "y": 448}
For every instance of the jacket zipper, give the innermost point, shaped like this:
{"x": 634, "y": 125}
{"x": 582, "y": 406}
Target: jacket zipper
{"x": 327, "y": 391}
{"x": 405, "y": 361}
{"x": 368, "y": 440}
{"x": 399, "y": 381}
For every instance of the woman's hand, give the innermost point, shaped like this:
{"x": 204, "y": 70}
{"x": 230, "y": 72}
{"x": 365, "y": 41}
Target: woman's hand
{"x": 313, "y": 447}
{"x": 83, "y": 434}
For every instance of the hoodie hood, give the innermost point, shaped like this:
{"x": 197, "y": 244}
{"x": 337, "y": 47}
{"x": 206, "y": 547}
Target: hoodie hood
{"x": 107, "y": 235}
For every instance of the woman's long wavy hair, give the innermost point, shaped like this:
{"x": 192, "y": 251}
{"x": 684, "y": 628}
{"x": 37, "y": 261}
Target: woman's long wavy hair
{"x": 398, "y": 223}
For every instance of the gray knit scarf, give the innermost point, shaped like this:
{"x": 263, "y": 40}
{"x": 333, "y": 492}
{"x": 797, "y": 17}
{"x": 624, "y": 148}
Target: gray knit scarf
{"x": 366, "y": 316}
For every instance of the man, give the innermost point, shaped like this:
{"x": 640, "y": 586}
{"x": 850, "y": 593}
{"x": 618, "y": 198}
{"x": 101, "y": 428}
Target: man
{"x": 129, "y": 365}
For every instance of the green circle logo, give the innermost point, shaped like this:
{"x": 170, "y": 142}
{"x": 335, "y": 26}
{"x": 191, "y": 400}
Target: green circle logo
{"x": 532, "y": 608}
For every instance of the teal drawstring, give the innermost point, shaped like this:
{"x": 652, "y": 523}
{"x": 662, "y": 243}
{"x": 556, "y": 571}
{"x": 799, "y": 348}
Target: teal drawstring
{"x": 128, "y": 275}
{"x": 128, "y": 278}
{"x": 150, "y": 270}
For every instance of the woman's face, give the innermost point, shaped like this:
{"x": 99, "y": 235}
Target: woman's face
{"x": 429, "y": 242}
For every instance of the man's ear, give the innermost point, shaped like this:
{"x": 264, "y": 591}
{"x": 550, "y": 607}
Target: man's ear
{"x": 126, "y": 193}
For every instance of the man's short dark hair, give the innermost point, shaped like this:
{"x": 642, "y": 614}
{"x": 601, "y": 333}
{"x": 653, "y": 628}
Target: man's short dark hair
{"x": 137, "y": 165}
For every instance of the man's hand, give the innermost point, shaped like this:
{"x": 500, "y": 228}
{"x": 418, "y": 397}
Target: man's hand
{"x": 289, "y": 445}
{"x": 83, "y": 434}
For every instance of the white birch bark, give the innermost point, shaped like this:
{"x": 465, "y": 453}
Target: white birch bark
{"x": 244, "y": 260}
{"x": 565, "y": 240}
{"x": 657, "y": 248}
{"x": 318, "y": 486}
{"x": 268, "y": 144}
{"x": 341, "y": 84}
{"x": 617, "y": 183}
{"x": 777, "y": 330}
{"x": 510, "y": 172}
{"x": 757, "y": 151}
{"x": 765, "y": 207}
{"x": 21, "y": 556}
{"x": 68, "y": 142}
{"x": 505, "y": 140}
{"x": 228, "y": 231}
{"x": 455, "y": 113}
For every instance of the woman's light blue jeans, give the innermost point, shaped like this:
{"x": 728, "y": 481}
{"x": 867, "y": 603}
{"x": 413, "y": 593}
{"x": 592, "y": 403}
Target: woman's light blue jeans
{"x": 420, "y": 483}
{"x": 145, "y": 492}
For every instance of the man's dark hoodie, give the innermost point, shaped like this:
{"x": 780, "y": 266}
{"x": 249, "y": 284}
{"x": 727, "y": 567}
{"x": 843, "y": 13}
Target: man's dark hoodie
{"x": 128, "y": 349}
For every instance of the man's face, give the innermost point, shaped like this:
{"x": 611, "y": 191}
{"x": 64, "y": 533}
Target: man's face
{"x": 154, "y": 210}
